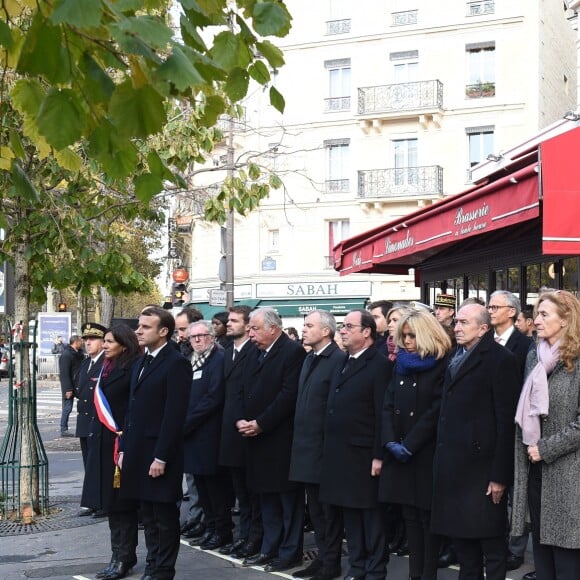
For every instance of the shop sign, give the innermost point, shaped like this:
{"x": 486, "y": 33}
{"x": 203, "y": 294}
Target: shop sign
{"x": 315, "y": 289}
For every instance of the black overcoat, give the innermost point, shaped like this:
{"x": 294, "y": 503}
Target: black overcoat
{"x": 352, "y": 431}
{"x": 314, "y": 383}
{"x": 203, "y": 420}
{"x": 519, "y": 344}
{"x": 154, "y": 427}
{"x": 410, "y": 416}
{"x": 85, "y": 391}
{"x": 270, "y": 398}
{"x": 98, "y": 491}
{"x": 236, "y": 372}
{"x": 475, "y": 443}
{"x": 69, "y": 365}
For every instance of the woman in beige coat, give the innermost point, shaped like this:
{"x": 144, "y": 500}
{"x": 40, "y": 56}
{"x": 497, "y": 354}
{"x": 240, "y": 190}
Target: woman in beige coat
{"x": 547, "y": 454}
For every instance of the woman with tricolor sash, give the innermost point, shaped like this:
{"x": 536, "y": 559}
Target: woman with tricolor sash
{"x": 103, "y": 478}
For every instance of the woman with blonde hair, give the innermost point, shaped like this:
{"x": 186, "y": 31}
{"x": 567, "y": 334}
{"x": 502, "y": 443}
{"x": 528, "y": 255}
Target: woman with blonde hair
{"x": 410, "y": 416}
{"x": 547, "y": 454}
{"x": 393, "y": 317}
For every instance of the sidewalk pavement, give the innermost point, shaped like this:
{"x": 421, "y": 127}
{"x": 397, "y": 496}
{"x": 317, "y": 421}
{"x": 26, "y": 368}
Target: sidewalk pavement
{"x": 64, "y": 546}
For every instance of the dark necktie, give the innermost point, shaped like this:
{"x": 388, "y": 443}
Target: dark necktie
{"x": 262, "y": 357}
{"x": 348, "y": 364}
{"x": 146, "y": 362}
{"x": 90, "y": 366}
{"x": 235, "y": 354}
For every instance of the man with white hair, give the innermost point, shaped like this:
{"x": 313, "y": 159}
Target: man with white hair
{"x": 266, "y": 420}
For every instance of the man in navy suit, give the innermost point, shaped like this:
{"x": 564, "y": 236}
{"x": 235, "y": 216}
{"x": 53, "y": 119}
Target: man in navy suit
{"x": 268, "y": 422}
{"x": 352, "y": 453}
{"x": 152, "y": 445}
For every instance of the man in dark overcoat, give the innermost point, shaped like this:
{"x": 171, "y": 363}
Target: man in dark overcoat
{"x": 202, "y": 430}
{"x": 69, "y": 364}
{"x": 352, "y": 454}
{"x": 152, "y": 443}
{"x": 306, "y": 462}
{"x": 268, "y": 423}
{"x": 473, "y": 462}
{"x": 239, "y": 357}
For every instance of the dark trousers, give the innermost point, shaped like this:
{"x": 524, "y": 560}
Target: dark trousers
{"x": 216, "y": 497}
{"x": 250, "y": 528}
{"x": 366, "y": 539}
{"x": 84, "y": 441}
{"x": 552, "y": 563}
{"x": 328, "y": 527}
{"x": 471, "y": 553}
{"x": 124, "y": 535}
{"x": 67, "y": 407}
{"x": 423, "y": 544}
{"x": 161, "y": 526}
{"x": 283, "y": 520}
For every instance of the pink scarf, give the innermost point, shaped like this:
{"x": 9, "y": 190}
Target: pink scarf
{"x": 391, "y": 348}
{"x": 535, "y": 398}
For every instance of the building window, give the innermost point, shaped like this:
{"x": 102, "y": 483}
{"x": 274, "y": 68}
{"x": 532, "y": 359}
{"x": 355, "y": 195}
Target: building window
{"x": 338, "y": 230}
{"x": 480, "y": 7}
{"x": 338, "y": 165}
{"x": 273, "y": 241}
{"x": 480, "y": 143}
{"x": 339, "y": 17}
{"x": 480, "y": 70}
{"x": 338, "y": 85}
{"x": 405, "y": 161}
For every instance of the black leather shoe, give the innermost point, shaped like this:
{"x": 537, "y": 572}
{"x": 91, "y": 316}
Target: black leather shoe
{"x": 202, "y": 539}
{"x": 231, "y": 548}
{"x": 327, "y": 574}
{"x": 279, "y": 565}
{"x": 100, "y": 514}
{"x": 106, "y": 570}
{"x": 530, "y": 575}
{"x": 353, "y": 578}
{"x": 85, "y": 511}
{"x": 513, "y": 562}
{"x": 258, "y": 560}
{"x": 196, "y": 532}
{"x": 120, "y": 570}
{"x": 248, "y": 550}
{"x": 188, "y": 526}
{"x": 310, "y": 570}
{"x": 215, "y": 542}
{"x": 447, "y": 558}
{"x": 403, "y": 549}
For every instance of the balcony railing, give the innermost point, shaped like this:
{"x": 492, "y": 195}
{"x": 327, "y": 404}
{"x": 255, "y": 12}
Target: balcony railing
{"x": 338, "y": 26}
{"x": 337, "y": 185}
{"x": 480, "y": 7}
{"x": 405, "y": 18}
{"x": 337, "y": 104}
{"x": 480, "y": 90}
{"x": 393, "y": 182}
{"x": 400, "y": 97}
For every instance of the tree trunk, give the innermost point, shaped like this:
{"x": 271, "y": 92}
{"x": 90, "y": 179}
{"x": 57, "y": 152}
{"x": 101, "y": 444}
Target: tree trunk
{"x": 28, "y": 461}
{"x": 107, "y": 307}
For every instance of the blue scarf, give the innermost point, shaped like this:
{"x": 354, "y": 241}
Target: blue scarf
{"x": 409, "y": 363}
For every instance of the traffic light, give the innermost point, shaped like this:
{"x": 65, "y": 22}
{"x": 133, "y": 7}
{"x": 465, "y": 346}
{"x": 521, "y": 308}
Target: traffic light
{"x": 178, "y": 294}
{"x": 62, "y": 306}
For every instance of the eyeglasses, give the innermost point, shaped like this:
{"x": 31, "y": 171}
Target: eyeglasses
{"x": 495, "y": 307}
{"x": 348, "y": 326}
{"x": 198, "y": 336}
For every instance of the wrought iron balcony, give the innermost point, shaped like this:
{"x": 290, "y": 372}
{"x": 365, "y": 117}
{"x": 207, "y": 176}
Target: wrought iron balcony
{"x": 337, "y": 185}
{"x": 405, "y": 17}
{"x": 337, "y": 104}
{"x": 400, "y": 181}
{"x": 338, "y": 26}
{"x": 400, "y": 97}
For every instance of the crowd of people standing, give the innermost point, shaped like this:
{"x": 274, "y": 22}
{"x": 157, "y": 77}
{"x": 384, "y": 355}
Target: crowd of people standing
{"x": 417, "y": 410}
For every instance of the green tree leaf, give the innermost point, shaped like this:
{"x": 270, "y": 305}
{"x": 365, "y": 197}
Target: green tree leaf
{"x": 178, "y": 70}
{"x": 117, "y": 154}
{"x": 61, "y": 119}
{"x": 213, "y": 107}
{"x": 98, "y": 85}
{"x": 237, "y": 84}
{"x": 259, "y": 72}
{"x": 271, "y": 53}
{"x": 6, "y": 39}
{"x": 149, "y": 29}
{"x": 69, "y": 160}
{"x": 82, "y": 14}
{"x": 277, "y": 99}
{"x": 147, "y": 186}
{"x": 27, "y": 96}
{"x": 137, "y": 112}
{"x": 43, "y": 53}
{"x": 271, "y": 19}
{"x": 22, "y": 184}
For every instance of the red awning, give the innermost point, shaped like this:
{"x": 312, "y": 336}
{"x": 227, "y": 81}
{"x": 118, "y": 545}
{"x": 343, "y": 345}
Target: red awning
{"x": 561, "y": 194}
{"x": 405, "y": 243}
